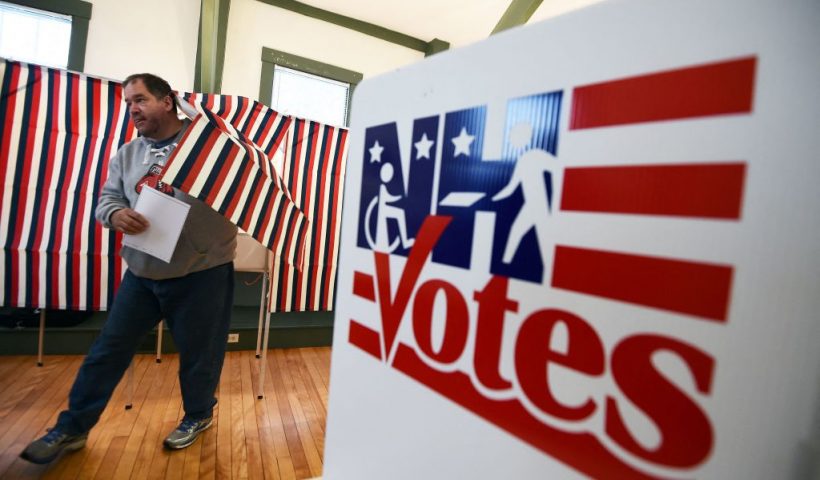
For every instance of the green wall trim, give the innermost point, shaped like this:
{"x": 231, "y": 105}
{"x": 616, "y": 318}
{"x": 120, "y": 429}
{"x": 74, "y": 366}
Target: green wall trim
{"x": 271, "y": 57}
{"x": 80, "y": 12}
{"x": 76, "y": 48}
{"x": 517, "y": 14}
{"x": 436, "y": 46}
{"x": 360, "y": 26}
{"x": 210, "y": 47}
{"x": 266, "y": 83}
{"x": 308, "y": 65}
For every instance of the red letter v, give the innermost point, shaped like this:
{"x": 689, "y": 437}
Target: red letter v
{"x": 393, "y": 308}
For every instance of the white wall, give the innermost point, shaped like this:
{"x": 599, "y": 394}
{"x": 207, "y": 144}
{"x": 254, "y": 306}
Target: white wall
{"x": 155, "y": 36}
{"x": 253, "y": 25}
{"x": 160, "y": 36}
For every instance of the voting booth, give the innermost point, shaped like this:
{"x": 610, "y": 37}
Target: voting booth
{"x": 586, "y": 248}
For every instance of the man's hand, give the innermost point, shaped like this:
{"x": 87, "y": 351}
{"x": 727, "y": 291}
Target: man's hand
{"x": 128, "y": 221}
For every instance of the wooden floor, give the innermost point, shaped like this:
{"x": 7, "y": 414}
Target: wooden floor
{"x": 280, "y": 436}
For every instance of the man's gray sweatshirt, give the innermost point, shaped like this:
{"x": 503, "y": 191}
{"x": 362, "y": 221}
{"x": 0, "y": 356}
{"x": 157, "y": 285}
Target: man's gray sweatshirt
{"x": 207, "y": 238}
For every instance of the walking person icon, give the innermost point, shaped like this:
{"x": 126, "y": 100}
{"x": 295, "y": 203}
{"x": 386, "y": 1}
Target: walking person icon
{"x": 530, "y": 174}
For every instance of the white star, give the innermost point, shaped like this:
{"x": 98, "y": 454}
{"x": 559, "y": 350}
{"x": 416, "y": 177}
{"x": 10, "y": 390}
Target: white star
{"x": 376, "y": 152}
{"x": 462, "y": 142}
{"x": 423, "y": 147}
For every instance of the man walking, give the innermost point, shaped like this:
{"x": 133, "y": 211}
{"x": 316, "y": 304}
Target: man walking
{"x": 193, "y": 292}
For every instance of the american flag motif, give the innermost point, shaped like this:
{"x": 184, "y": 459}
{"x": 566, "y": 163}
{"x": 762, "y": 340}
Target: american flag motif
{"x": 694, "y": 190}
{"x": 58, "y": 131}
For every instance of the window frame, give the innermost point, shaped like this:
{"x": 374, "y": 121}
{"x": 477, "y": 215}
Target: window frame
{"x": 271, "y": 58}
{"x": 80, "y": 13}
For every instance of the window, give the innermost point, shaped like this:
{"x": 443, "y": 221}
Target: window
{"x": 34, "y": 36}
{"x": 45, "y": 32}
{"x": 306, "y": 88}
{"x": 310, "y": 96}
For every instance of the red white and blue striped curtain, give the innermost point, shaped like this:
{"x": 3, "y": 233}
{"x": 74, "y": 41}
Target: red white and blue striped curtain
{"x": 313, "y": 171}
{"x": 309, "y": 158}
{"x": 58, "y": 131}
{"x": 217, "y": 163}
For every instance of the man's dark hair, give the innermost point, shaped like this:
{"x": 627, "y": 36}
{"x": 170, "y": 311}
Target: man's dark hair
{"x": 158, "y": 87}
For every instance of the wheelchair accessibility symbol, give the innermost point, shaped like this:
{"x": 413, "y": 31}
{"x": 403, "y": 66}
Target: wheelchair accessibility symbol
{"x": 385, "y": 211}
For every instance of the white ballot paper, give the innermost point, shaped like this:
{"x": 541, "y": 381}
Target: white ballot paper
{"x": 166, "y": 216}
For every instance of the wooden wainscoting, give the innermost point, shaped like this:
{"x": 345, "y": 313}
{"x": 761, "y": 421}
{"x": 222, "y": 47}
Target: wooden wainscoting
{"x": 278, "y": 437}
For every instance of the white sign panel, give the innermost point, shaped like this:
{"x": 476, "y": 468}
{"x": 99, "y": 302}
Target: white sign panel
{"x": 586, "y": 248}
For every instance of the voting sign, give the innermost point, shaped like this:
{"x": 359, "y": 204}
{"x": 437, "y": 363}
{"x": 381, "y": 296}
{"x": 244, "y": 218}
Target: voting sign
{"x": 586, "y": 248}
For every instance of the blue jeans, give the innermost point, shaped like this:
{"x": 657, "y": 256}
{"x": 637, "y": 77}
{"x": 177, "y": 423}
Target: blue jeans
{"x": 197, "y": 310}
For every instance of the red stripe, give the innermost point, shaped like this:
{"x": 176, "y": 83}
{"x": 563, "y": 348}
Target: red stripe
{"x": 693, "y": 190}
{"x": 703, "y": 90}
{"x": 95, "y": 279}
{"x": 208, "y": 100}
{"x": 365, "y": 338}
{"x": 74, "y": 274}
{"x": 335, "y": 212}
{"x": 681, "y": 286}
{"x": 13, "y": 70}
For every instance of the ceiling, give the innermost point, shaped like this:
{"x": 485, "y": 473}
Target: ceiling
{"x": 459, "y": 22}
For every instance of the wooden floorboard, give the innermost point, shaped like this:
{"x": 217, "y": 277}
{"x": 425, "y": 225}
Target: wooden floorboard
{"x": 280, "y": 436}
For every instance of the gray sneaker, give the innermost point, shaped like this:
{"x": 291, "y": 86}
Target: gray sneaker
{"x": 51, "y": 445}
{"x": 186, "y": 433}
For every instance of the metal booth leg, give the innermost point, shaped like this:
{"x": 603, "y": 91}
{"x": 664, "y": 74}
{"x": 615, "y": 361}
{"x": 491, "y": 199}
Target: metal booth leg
{"x": 261, "y": 381}
{"x": 159, "y": 342}
{"x": 40, "y": 337}
{"x": 261, "y": 313}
